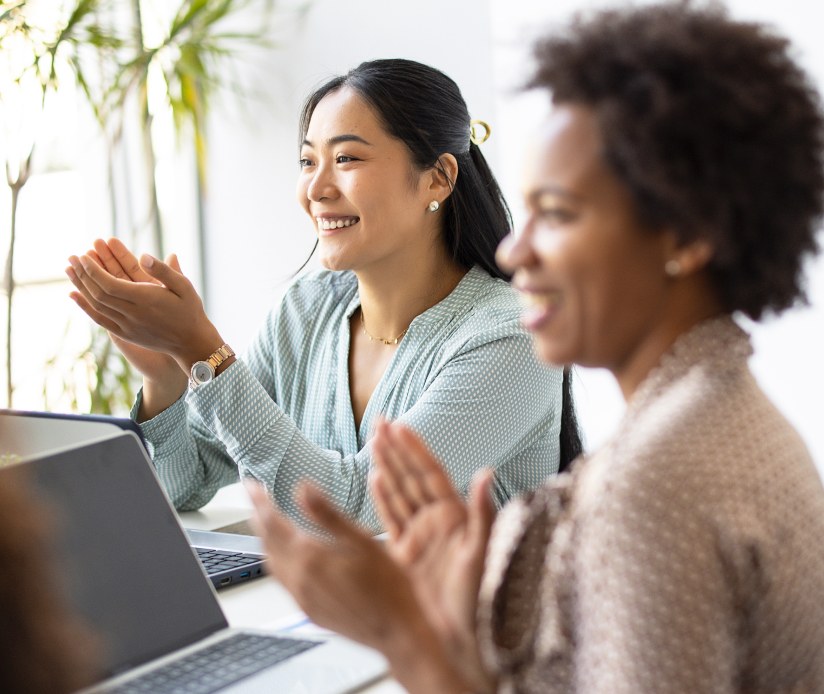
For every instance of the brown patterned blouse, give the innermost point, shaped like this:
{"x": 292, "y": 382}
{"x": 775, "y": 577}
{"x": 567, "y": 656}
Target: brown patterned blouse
{"x": 685, "y": 556}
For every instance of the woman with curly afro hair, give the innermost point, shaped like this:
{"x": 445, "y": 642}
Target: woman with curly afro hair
{"x": 677, "y": 183}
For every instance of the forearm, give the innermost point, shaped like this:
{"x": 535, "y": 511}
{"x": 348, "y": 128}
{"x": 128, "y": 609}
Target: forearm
{"x": 199, "y": 347}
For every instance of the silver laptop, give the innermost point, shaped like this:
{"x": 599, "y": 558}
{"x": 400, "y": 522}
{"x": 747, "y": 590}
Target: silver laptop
{"x": 128, "y": 570}
{"x": 229, "y": 558}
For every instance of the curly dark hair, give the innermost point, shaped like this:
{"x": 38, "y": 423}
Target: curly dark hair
{"x": 42, "y": 647}
{"x": 715, "y": 129}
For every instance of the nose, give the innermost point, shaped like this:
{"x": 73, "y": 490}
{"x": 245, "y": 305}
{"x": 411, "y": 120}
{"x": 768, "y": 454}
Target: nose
{"x": 515, "y": 251}
{"x": 321, "y": 184}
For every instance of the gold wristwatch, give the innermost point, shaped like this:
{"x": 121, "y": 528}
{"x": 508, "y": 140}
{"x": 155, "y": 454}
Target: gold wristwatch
{"x": 204, "y": 371}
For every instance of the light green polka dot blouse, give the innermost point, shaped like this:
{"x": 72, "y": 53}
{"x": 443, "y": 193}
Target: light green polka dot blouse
{"x": 465, "y": 377}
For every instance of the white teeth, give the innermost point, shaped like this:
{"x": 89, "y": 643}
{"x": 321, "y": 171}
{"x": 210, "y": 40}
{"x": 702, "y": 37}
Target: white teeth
{"x": 326, "y": 224}
{"x": 533, "y": 300}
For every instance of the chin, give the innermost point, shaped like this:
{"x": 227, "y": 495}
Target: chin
{"x": 550, "y": 352}
{"x": 333, "y": 263}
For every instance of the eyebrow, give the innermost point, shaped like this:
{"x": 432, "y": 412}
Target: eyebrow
{"x": 338, "y": 139}
{"x": 552, "y": 190}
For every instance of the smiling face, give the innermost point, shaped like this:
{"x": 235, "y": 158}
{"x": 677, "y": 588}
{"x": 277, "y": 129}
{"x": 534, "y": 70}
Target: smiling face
{"x": 357, "y": 183}
{"x": 591, "y": 275}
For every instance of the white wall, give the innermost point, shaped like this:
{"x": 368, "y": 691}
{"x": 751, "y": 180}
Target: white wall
{"x": 258, "y": 234}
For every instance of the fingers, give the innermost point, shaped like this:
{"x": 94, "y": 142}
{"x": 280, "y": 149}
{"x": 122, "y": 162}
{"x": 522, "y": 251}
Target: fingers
{"x": 171, "y": 278}
{"x": 276, "y": 528}
{"x": 119, "y": 261}
{"x": 411, "y": 476}
{"x": 320, "y": 510}
{"x": 98, "y": 286}
{"x": 104, "y": 310}
{"x": 391, "y": 501}
{"x": 392, "y": 521}
{"x": 481, "y": 508}
{"x": 430, "y": 479}
{"x": 276, "y": 532}
{"x": 97, "y": 317}
{"x": 174, "y": 263}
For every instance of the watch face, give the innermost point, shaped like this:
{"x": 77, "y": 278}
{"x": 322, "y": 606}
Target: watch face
{"x": 202, "y": 372}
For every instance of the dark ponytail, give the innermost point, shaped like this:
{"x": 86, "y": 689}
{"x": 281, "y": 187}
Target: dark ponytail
{"x": 475, "y": 223}
{"x": 569, "y": 439}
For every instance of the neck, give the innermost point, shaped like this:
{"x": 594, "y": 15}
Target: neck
{"x": 391, "y": 297}
{"x": 693, "y": 304}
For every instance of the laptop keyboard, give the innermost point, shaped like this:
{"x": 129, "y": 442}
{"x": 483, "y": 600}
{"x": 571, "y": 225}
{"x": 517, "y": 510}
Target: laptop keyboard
{"x": 215, "y": 560}
{"x": 217, "y": 666}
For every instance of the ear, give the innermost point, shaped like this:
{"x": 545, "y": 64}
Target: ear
{"x": 441, "y": 177}
{"x": 688, "y": 258}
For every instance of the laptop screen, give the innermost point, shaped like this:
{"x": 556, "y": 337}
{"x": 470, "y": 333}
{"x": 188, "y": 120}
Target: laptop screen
{"x": 124, "y": 561}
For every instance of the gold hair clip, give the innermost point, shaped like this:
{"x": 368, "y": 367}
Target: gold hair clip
{"x": 479, "y": 131}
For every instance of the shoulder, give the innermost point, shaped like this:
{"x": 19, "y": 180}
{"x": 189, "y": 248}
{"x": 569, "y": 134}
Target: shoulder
{"x": 487, "y": 307}
{"x": 490, "y": 294}
{"x": 482, "y": 325}
{"x": 713, "y": 442}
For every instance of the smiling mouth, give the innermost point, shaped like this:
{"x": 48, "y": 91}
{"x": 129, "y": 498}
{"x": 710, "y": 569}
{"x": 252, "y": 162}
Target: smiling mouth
{"x": 538, "y": 308}
{"x": 330, "y": 223}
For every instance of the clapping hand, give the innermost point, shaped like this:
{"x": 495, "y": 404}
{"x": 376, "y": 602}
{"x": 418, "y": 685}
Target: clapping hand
{"x": 413, "y": 597}
{"x": 120, "y": 263}
{"x": 152, "y": 313}
{"x": 440, "y": 539}
{"x": 146, "y": 303}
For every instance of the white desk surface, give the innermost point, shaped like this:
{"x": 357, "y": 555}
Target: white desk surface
{"x": 262, "y": 602}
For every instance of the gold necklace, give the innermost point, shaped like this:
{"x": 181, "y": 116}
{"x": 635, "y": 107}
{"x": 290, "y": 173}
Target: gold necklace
{"x": 380, "y": 339}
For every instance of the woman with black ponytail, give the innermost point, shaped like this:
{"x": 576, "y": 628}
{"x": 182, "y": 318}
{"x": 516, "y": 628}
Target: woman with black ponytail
{"x": 410, "y": 319}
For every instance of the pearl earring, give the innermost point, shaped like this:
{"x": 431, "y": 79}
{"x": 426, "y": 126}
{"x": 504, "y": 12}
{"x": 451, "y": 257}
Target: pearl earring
{"x": 672, "y": 268}
{"x": 434, "y": 206}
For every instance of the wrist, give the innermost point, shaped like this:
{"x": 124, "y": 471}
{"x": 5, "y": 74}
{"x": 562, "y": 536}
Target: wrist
{"x": 419, "y": 662}
{"x": 157, "y": 395}
{"x": 197, "y": 347}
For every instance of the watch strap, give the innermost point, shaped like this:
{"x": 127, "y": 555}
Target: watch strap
{"x": 220, "y": 355}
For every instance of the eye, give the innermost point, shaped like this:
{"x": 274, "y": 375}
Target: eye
{"x": 555, "y": 215}
{"x": 304, "y": 162}
{"x": 344, "y": 159}
{"x": 551, "y": 209}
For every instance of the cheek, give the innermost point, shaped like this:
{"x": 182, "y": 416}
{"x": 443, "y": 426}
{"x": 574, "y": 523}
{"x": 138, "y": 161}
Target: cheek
{"x": 590, "y": 283}
{"x": 301, "y": 192}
